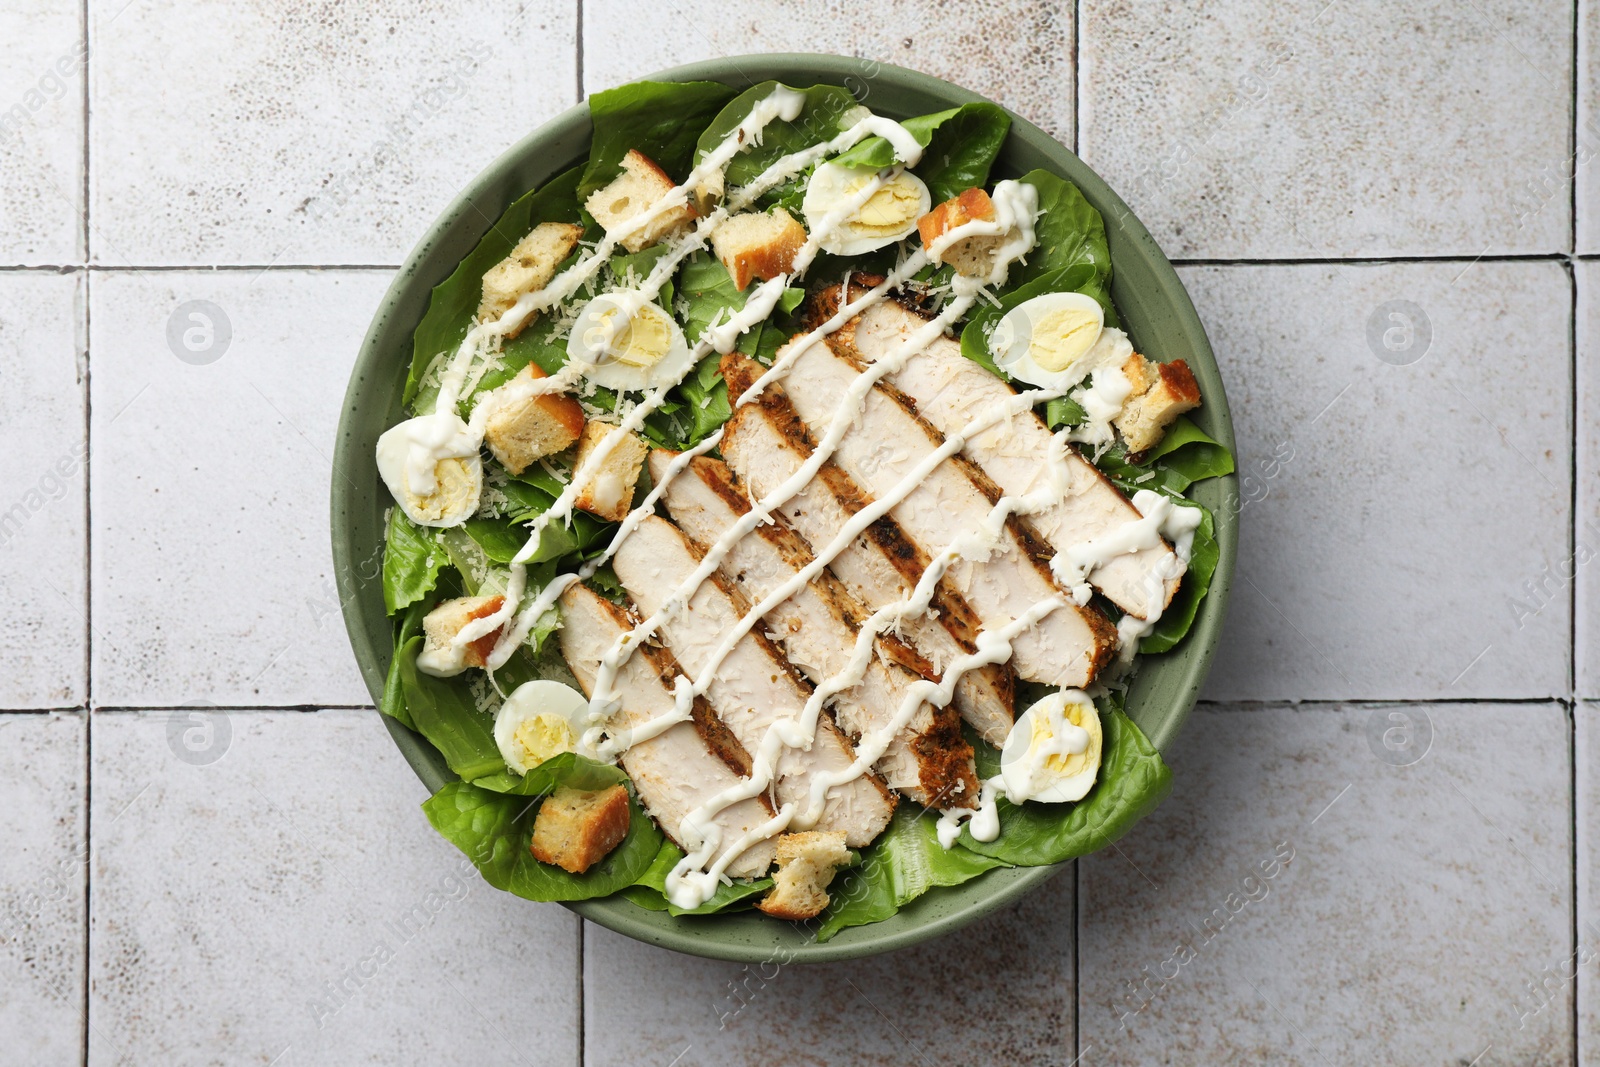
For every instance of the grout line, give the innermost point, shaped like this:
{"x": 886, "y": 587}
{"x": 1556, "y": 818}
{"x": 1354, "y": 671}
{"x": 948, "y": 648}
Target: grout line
{"x": 1572, "y": 829}
{"x": 1335, "y": 261}
{"x": 1572, "y": 143}
{"x": 583, "y": 936}
{"x": 1077, "y": 77}
{"x": 219, "y": 268}
{"x": 1275, "y": 703}
{"x": 88, "y": 870}
{"x": 577, "y": 40}
{"x": 88, "y": 255}
{"x": 307, "y": 709}
{"x": 1077, "y": 971}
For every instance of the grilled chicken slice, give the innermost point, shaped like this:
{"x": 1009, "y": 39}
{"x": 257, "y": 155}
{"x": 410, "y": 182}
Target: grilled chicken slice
{"x": 765, "y": 444}
{"x": 686, "y": 765}
{"x": 950, "y": 390}
{"x": 927, "y": 759}
{"x": 1068, "y": 646}
{"x": 755, "y": 686}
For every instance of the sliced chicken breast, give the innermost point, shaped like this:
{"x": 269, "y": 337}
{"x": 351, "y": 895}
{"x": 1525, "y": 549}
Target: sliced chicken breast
{"x": 1068, "y": 646}
{"x": 951, "y": 390}
{"x": 927, "y": 759}
{"x": 686, "y": 765}
{"x": 765, "y": 446}
{"x": 755, "y": 686}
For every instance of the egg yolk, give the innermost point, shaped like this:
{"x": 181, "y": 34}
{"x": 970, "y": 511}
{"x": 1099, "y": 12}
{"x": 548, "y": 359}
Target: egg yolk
{"x": 890, "y": 208}
{"x": 453, "y": 488}
{"x": 543, "y": 737}
{"x": 1061, "y": 336}
{"x": 1060, "y": 759}
{"x": 640, "y": 342}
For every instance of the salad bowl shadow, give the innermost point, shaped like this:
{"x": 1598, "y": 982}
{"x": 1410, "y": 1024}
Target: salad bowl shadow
{"x": 1157, "y": 314}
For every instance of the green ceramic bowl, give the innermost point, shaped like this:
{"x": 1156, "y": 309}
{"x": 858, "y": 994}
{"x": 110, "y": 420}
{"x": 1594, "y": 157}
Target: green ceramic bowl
{"x": 1156, "y": 311}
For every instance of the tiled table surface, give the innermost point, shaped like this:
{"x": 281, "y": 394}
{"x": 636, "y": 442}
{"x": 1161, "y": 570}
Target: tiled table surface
{"x": 211, "y": 853}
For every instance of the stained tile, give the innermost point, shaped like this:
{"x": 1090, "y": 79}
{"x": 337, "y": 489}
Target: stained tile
{"x": 1017, "y": 53}
{"x": 267, "y": 891}
{"x": 997, "y": 991}
{"x": 41, "y": 132}
{"x": 216, "y": 397}
{"x": 1261, "y": 130}
{"x": 1404, "y": 441}
{"x": 42, "y": 641}
{"x": 306, "y": 134}
{"x": 1341, "y": 884}
{"x": 41, "y": 887}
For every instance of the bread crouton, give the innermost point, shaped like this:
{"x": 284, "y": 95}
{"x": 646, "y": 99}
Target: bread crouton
{"x": 758, "y": 245}
{"x": 439, "y": 656}
{"x": 528, "y": 268}
{"x": 638, "y": 188}
{"x": 708, "y": 193}
{"x": 525, "y": 429}
{"x": 1161, "y": 392}
{"x": 806, "y": 864}
{"x": 609, "y": 494}
{"x": 575, "y": 829}
{"x": 972, "y": 254}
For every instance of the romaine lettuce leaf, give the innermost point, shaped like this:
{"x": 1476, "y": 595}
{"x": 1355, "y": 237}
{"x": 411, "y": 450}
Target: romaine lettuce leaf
{"x": 651, "y": 889}
{"x": 958, "y": 144}
{"x": 455, "y": 300}
{"x": 1179, "y": 616}
{"x": 905, "y": 862}
{"x": 494, "y": 829}
{"x": 393, "y": 700}
{"x": 411, "y": 561}
{"x": 820, "y": 120}
{"x": 444, "y": 711}
{"x": 1133, "y": 780}
{"x": 1070, "y": 233}
{"x": 661, "y": 119}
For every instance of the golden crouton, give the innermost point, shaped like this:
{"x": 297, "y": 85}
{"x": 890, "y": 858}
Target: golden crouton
{"x": 609, "y": 493}
{"x": 758, "y": 245}
{"x": 1161, "y": 392}
{"x": 973, "y": 254}
{"x": 575, "y": 829}
{"x": 637, "y": 189}
{"x": 806, "y": 865}
{"x": 522, "y": 431}
{"x": 528, "y": 268}
{"x": 439, "y": 656}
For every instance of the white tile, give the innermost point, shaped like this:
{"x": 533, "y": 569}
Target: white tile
{"x": 41, "y": 887}
{"x": 1586, "y": 531}
{"x": 1348, "y": 128}
{"x": 1403, "y": 527}
{"x": 226, "y": 133}
{"x": 998, "y": 991}
{"x": 41, "y": 132}
{"x": 1587, "y": 754}
{"x": 41, "y": 505}
{"x": 213, "y": 575}
{"x": 1418, "y": 904}
{"x": 1018, "y": 54}
{"x": 1587, "y": 140}
{"x": 233, "y": 900}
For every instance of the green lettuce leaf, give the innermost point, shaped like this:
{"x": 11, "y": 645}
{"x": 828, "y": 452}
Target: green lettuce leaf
{"x": 651, "y": 889}
{"x": 905, "y": 862}
{"x": 1174, "y": 623}
{"x": 970, "y": 137}
{"x": 494, "y": 829}
{"x": 393, "y": 700}
{"x": 455, "y": 300}
{"x": 1133, "y": 780}
{"x": 661, "y": 119}
{"x": 1070, "y": 233}
{"x": 568, "y": 768}
{"x": 1189, "y": 452}
{"x": 444, "y": 711}
{"x": 962, "y": 150}
{"x": 411, "y": 561}
{"x": 819, "y": 120}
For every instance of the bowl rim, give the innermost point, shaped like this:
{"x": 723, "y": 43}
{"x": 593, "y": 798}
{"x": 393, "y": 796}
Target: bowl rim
{"x": 420, "y": 273}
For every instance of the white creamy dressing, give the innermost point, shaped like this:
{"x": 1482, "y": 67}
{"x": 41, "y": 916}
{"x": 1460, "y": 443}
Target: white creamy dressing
{"x": 1016, "y": 207}
{"x": 1174, "y": 522}
{"x": 691, "y": 882}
